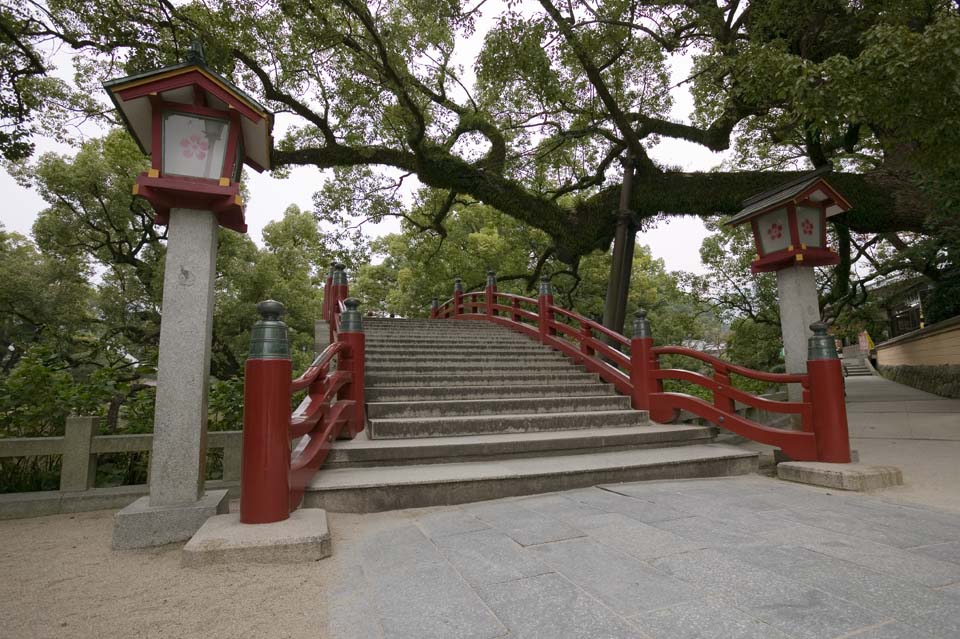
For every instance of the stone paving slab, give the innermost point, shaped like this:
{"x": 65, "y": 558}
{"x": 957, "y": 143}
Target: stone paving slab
{"x": 707, "y": 619}
{"x": 489, "y": 557}
{"x": 626, "y": 585}
{"x": 581, "y": 564}
{"x": 550, "y": 607}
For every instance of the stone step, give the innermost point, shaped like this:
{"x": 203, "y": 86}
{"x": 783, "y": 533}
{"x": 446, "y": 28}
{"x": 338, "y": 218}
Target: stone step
{"x": 398, "y": 428}
{"x": 457, "y": 327}
{"x": 526, "y": 346}
{"x": 418, "y": 393}
{"x": 453, "y": 343}
{"x": 455, "y": 365}
{"x": 433, "y": 325}
{"x": 448, "y": 338}
{"x": 484, "y": 378}
{"x": 512, "y": 406}
{"x": 376, "y": 489}
{"x": 526, "y": 358}
{"x": 364, "y": 451}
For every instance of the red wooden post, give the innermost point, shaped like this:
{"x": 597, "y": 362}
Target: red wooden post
{"x": 643, "y": 362}
{"x": 457, "y": 296}
{"x": 434, "y": 308}
{"x": 265, "y": 469}
{"x": 491, "y": 292}
{"x": 722, "y": 401}
{"x": 586, "y": 334}
{"x": 641, "y": 357}
{"x": 827, "y": 397}
{"x": 351, "y": 332}
{"x": 545, "y": 302}
{"x": 516, "y": 307}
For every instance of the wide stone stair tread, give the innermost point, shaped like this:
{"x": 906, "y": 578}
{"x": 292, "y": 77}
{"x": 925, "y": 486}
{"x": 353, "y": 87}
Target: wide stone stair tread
{"x": 454, "y": 365}
{"x": 394, "y": 428}
{"x": 531, "y": 357}
{"x": 378, "y": 488}
{"x": 484, "y": 378}
{"x": 444, "y": 392}
{"x": 365, "y": 451}
{"x": 525, "y": 405}
{"x": 388, "y": 350}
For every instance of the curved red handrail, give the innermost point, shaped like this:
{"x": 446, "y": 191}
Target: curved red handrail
{"x": 778, "y": 378}
{"x": 603, "y": 330}
{"x": 510, "y": 310}
{"x": 313, "y": 371}
{"x": 519, "y": 298}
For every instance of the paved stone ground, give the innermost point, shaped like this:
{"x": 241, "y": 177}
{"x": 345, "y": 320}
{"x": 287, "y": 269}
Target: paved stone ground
{"x": 744, "y": 557}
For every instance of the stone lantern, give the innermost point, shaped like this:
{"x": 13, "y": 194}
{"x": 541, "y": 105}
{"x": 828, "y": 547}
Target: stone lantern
{"x": 789, "y": 229}
{"x": 199, "y": 131}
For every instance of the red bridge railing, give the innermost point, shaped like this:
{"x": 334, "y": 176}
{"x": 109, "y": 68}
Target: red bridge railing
{"x": 272, "y": 478}
{"x": 633, "y": 367}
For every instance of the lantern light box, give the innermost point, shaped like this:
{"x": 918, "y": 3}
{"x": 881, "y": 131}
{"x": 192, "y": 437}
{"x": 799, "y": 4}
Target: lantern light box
{"x": 199, "y": 130}
{"x": 790, "y": 223}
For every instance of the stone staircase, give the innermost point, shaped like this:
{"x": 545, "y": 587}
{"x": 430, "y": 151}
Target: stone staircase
{"x": 856, "y": 368}
{"x": 465, "y": 410}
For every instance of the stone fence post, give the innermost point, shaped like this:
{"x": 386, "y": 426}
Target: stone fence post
{"x": 78, "y": 469}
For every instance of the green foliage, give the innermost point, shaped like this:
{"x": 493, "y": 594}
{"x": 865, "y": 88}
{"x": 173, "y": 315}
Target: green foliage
{"x": 754, "y": 345}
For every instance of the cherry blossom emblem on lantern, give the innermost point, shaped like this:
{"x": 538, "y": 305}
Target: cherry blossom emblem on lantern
{"x": 775, "y": 231}
{"x": 194, "y": 146}
{"x": 807, "y": 227}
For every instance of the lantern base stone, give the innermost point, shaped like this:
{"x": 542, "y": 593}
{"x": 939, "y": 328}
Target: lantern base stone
{"x": 141, "y": 525}
{"x": 302, "y": 538}
{"x": 856, "y": 477}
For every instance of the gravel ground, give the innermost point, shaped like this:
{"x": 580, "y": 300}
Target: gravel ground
{"x": 61, "y": 579}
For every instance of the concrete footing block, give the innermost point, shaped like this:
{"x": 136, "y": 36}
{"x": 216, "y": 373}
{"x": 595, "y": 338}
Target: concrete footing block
{"x": 304, "y": 537}
{"x": 857, "y": 477}
{"x": 141, "y": 525}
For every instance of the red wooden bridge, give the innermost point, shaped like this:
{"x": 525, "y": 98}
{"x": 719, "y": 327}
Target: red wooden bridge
{"x": 273, "y": 481}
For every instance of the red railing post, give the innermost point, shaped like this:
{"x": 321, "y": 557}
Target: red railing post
{"x": 827, "y": 397}
{"x": 641, "y": 359}
{"x": 586, "y": 334}
{"x": 434, "y": 308}
{"x": 544, "y": 303}
{"x": 265, "y": 466}
{"x": 721, "y": 377}
{"x": 516, "y": 308}
{"x": 457, "y": 296}
{"x": 491, "y": 292}
{"x": 351, "y": 333}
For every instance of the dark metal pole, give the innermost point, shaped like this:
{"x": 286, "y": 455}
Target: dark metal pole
{"x": 614, "y": 309}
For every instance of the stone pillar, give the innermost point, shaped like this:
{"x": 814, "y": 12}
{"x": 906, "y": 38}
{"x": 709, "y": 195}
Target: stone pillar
{"x": 799, "y": 308}
{"x": 179, "y": 451}
{"x": 78, "y": 470}
{"x": 177, "y": 505}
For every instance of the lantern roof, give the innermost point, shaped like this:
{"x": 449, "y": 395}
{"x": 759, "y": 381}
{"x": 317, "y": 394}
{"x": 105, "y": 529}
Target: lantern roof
{"x": 192, "y": 82}
{"x": 810, "y": 187}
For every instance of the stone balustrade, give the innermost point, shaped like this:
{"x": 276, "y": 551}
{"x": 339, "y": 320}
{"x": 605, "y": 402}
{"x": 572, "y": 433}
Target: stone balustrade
{"x": 80, "y": 446}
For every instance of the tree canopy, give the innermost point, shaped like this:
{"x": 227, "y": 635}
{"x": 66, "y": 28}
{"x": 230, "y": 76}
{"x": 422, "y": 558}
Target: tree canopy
{"x": 560, "y": 92}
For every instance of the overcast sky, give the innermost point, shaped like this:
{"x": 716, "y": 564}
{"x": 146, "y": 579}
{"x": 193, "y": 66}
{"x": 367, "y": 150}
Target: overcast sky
{"x": 676, "y": 242}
